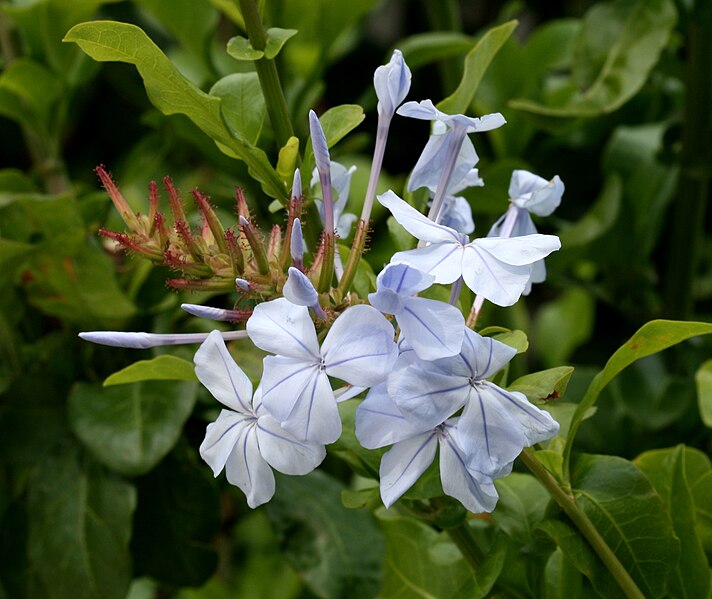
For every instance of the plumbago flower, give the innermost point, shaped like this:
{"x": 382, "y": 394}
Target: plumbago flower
{"x": 358, "y": 349}
{"x": 529, "y": 194}
{"x": 379, "y": 422}
{"x": 497, "y": 269}
{"x": 414, "y": 409}
{"x": 433, "y": 329}
{"x": 245, "y": 440}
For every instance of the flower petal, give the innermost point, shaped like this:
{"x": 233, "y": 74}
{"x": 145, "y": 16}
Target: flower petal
{"x": 315, "y": 416}
{"x": 499, "y": 282}
{"x": 434, "y": 329}
{"x": 489, "y": 437}
{"x": 403, "y": 464}
{"x": 285, "y": 453}
{"x": 280, "y": 327}
{"x": 359, "y": 347}
{"x": 415, "y": 223}
{"x": 249, "y": 471}
{"x": 403, "y": 279}
{"x": 218, "y": 372}
{"x": 283, "y": 380}
{"x": 476, "y": 495}
{"x": 537, "y": 425}
{"x": 433, "y": 159}
{"x": 221, "y": 436}
{"x": 519, "y": 251}
{"x": 444, "y": 261}
{"x": 428, "y": 398}
{"x": 379, "y": 422}
{"x": 535, "y": 193}
{"x": 485, "y": 356}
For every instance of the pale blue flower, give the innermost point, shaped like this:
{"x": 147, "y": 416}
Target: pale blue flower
{"x": 497, "y": 269}
{"x": 245, "y": 440}
{"x": 495, "y": 424}
{"x": 425, "y": 110}
{"x": 448, "y": 156}
{"x": 528, "y": 193}
{"x": 433, "y": 329}
{"x": 392, "y": 83}
{"x": 358, "y": 349}
{"x": 379, "y": 423}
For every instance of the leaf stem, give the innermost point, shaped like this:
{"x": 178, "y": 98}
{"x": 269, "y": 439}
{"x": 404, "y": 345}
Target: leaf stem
{"x": 584, "y": 524}
{"x": 267, "y": 73}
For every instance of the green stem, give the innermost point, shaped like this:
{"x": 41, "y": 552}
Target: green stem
{"x": 584, "y": 524}
{"x": 267, "y": 74}
{"x": 462, "y": 537}
{"x": 693, "y": 189}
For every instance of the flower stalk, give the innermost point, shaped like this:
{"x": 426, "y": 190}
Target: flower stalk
{"x": 567, "y": 503}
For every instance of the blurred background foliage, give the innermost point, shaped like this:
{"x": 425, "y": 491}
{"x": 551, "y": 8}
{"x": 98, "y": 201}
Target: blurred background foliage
{"x": 102, "y": 493}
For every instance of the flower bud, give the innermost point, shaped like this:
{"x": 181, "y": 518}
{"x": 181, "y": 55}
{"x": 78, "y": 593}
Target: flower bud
{"x": 392, "y": 83}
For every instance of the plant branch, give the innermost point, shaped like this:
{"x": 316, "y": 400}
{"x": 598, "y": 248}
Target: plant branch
{"x": 584, "y": 524}
{"x": 267, "y": 74}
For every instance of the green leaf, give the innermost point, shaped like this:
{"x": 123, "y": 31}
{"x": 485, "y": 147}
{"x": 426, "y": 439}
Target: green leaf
{"x": 425, "y": 48}
{"x": 658, "y": 466}
{"x": 703, "y": 380}
{"x": 81, "y": 289}
{"x": 651, "y": 338}
{"x": 239, "y": 48}
{"x": 544, "y": 385}
{"x": 480, "y": 585}
{"x": 161, "y": 368}
{"x": 34, "y": 85}
{"x": 516, "y": 339}
{"x": 580, "y": 555}
{"x": 630, "y": 516}
{"x": 619, "y": 44}
{"x": 521, "y": 506}
{"x": 177, "y": 522}
{"x": 411, "y": 569}
{"x": 561, "y": 579}
{"x": 276, "y": 38}
{"x": 243, "y": 105}
{"x": 672, "y": 476}
{"x": 564, "y": 324}
{"x": 170, "y": 92}
{"x": 130, "y": 428}
{"x": 476, "y": 63}
{"x": 337, "y": 552}
{"x": 79, "y": 528}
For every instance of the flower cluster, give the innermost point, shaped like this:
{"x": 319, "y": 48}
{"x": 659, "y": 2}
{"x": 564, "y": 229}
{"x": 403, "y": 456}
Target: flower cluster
{"x": 426, "y": 371}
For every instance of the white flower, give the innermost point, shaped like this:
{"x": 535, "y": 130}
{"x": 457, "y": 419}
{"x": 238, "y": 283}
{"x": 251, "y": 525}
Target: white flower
{"x": 245, "y": 440}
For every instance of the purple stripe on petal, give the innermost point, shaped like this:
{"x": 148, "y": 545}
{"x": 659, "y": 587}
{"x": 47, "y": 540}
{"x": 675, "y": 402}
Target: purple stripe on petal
{"x": 425, "y": 326}
{"x": 232, "y": 383}
{"x": 286, "y": 378}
